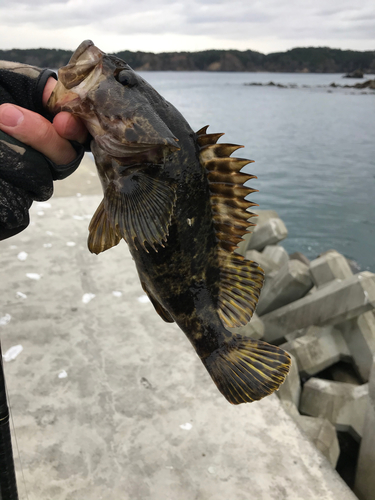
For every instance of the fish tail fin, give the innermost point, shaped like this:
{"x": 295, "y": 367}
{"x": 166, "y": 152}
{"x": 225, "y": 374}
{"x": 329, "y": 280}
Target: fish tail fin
{"x": 246, "y": 370}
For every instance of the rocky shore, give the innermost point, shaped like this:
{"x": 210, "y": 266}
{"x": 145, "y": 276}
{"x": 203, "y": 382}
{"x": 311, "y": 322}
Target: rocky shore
{"x": 322, "y": 313}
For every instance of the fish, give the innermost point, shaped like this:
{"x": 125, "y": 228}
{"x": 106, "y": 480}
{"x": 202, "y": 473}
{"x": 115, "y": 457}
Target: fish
{"x": 178, "y": 199}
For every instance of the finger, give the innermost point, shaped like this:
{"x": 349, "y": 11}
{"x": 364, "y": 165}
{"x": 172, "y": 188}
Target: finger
{"x": 70, "y": 127}
{"x": 37, "y": 132}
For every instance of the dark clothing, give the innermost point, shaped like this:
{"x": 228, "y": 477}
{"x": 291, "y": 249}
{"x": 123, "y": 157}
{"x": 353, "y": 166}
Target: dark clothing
{"x": 25, "y": 174}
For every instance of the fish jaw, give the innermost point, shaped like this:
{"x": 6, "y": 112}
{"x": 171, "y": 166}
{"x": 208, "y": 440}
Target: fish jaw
{"x": 119, "y": 117}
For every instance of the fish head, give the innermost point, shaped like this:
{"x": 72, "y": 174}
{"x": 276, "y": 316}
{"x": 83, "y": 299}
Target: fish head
{"x": 118, "y": 107}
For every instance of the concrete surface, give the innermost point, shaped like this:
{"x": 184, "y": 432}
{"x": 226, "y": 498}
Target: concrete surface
{"x": 365, "y": 477}
{"x": 111, "y": 402}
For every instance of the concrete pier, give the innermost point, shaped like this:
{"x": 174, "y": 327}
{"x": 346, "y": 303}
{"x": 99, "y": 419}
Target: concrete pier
{"x": 109, "y": 401}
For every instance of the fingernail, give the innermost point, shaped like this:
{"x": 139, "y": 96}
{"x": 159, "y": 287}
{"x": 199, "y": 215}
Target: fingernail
{"x": 10, "y": 116}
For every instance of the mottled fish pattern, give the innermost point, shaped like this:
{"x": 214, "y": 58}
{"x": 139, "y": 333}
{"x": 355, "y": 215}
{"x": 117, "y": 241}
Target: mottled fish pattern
{"x": 178, "y": 199}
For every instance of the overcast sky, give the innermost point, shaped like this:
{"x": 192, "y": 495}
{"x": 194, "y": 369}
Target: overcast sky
{"x": 170, "y": 25}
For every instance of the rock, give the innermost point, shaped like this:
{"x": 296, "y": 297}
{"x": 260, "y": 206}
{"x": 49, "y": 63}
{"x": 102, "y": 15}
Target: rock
{"x": 299, "y": 256}
{"x": 359, "y": 334}
{"x": 291, "y": 283}
{"x": 269, "y": 233}
{"x": 342, "y": 404}
{"x": 334, "y": 303}
{"x": 354, "y": 74}
{"x": 329, "y": 266}
{"x": 290, "y": 390}
{"x": 267, "y": 264}
{"x": 277, "y": 254}
{"x": 365, "y": 478}
{"x": 254, "y": 329}
{"x": 317, "y": 349}
{"x": 323, "y": 434}
{"x": 262, "y": 217}
{"x": 343, "y": 372}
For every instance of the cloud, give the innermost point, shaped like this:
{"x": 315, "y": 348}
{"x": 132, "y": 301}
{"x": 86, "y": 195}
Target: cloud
{"x": 271, "y": 24}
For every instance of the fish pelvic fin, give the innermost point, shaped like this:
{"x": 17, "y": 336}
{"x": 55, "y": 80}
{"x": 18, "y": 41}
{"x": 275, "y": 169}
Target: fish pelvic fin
{"x": 247, "y": 370}
{"x": 141, "y": 209}
{"x": 102, "y": 236}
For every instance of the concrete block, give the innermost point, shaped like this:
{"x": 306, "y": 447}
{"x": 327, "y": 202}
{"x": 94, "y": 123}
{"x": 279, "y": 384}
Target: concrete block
{"x": 323, "y": 434}
{"x": 299, "y": 256}
{"x": 344, "y": 405}
{"x": 267, "y": 264}
{"x": 262, "y": 217}
{"x": 365, "y": 478}
{"x": 290, "y": 390}
{"x": 269, "y": 233}
{"x": 291, "y": 283}
{"x": 254, "y": 329}
{"x": 333, "y": 304}
{"x": 329, "y": 266}
{"x": 359, "y": 334}
{"x": 317, "y": 349}
{"x": 277, "y": 254}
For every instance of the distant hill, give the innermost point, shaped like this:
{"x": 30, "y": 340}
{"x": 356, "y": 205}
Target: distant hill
{"x": 309, "y": 60}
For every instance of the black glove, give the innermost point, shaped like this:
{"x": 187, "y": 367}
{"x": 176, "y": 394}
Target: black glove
{"x": 25, "y": 174}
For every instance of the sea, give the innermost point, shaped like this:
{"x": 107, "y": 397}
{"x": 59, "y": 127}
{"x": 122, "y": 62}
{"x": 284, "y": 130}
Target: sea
{"x": 313, "y": 145}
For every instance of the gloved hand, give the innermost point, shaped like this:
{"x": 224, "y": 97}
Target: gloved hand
{"x": 26, "y": 174}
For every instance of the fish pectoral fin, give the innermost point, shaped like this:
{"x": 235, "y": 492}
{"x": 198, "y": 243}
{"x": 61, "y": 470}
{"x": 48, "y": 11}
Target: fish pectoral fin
{"x": 241, "y": 281}
{"x": 163, "y": 313}
{"x": 141, "y": 209}
{"x": 247, "y": 370}
{"x": 102, "y": 236}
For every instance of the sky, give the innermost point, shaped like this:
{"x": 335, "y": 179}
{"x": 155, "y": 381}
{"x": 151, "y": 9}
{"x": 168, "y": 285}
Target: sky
{"x": 191, "y": 25}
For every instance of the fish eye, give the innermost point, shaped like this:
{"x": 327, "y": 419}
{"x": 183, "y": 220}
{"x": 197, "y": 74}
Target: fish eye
{"x": 126, "y": 78}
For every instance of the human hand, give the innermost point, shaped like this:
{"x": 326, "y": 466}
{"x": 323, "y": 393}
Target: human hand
{"x": 50, "y": 139}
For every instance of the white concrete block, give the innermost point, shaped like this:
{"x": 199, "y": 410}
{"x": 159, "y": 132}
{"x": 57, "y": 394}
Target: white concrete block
{"x": 254, "y": 329}
{"x": 277, "y": 254}
{"x": 267, "y": 264}
{"x": 329, "y": 266}
{"x": 333, "y": 304}
{"x": 317, "y": 349}
{"x": 291, "y": 283}
{"x": 262, "y": 217}
{"x": 359, "y": 334}
{"x": 269, "y": 233}
{"x": 323, "y": 434}
{"x": 299, "y": 256}
{"x": 344, "y": 405}
{"x": 365, "y": 477}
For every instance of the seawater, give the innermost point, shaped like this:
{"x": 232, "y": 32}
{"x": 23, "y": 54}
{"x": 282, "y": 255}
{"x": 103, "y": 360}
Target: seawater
{"x": 313, "y": 146}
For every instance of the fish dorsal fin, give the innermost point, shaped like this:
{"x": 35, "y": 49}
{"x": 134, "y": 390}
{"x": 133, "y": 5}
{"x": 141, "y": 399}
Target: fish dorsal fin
{"x": 101, "y": 234}
{"x": 140, "y": 209}
{"x": 240, "y": 280}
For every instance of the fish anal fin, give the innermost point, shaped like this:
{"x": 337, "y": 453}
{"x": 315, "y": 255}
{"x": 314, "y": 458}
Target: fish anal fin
{"x": 241, "y": 281}
{"x": 247, "y": 370}
{"x": 102, "y": 236}
{"x": 163, "y": 313}
{"x": 140, "y": 208}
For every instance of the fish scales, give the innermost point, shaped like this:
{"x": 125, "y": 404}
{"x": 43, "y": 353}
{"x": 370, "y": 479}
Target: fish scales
{"x": 177, "y": 198}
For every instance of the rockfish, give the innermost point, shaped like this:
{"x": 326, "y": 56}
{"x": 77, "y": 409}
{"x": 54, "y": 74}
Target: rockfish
{"x": 177, "y": 198}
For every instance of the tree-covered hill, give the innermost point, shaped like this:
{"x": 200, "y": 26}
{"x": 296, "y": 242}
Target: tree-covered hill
{"x": 309, "y": 59}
